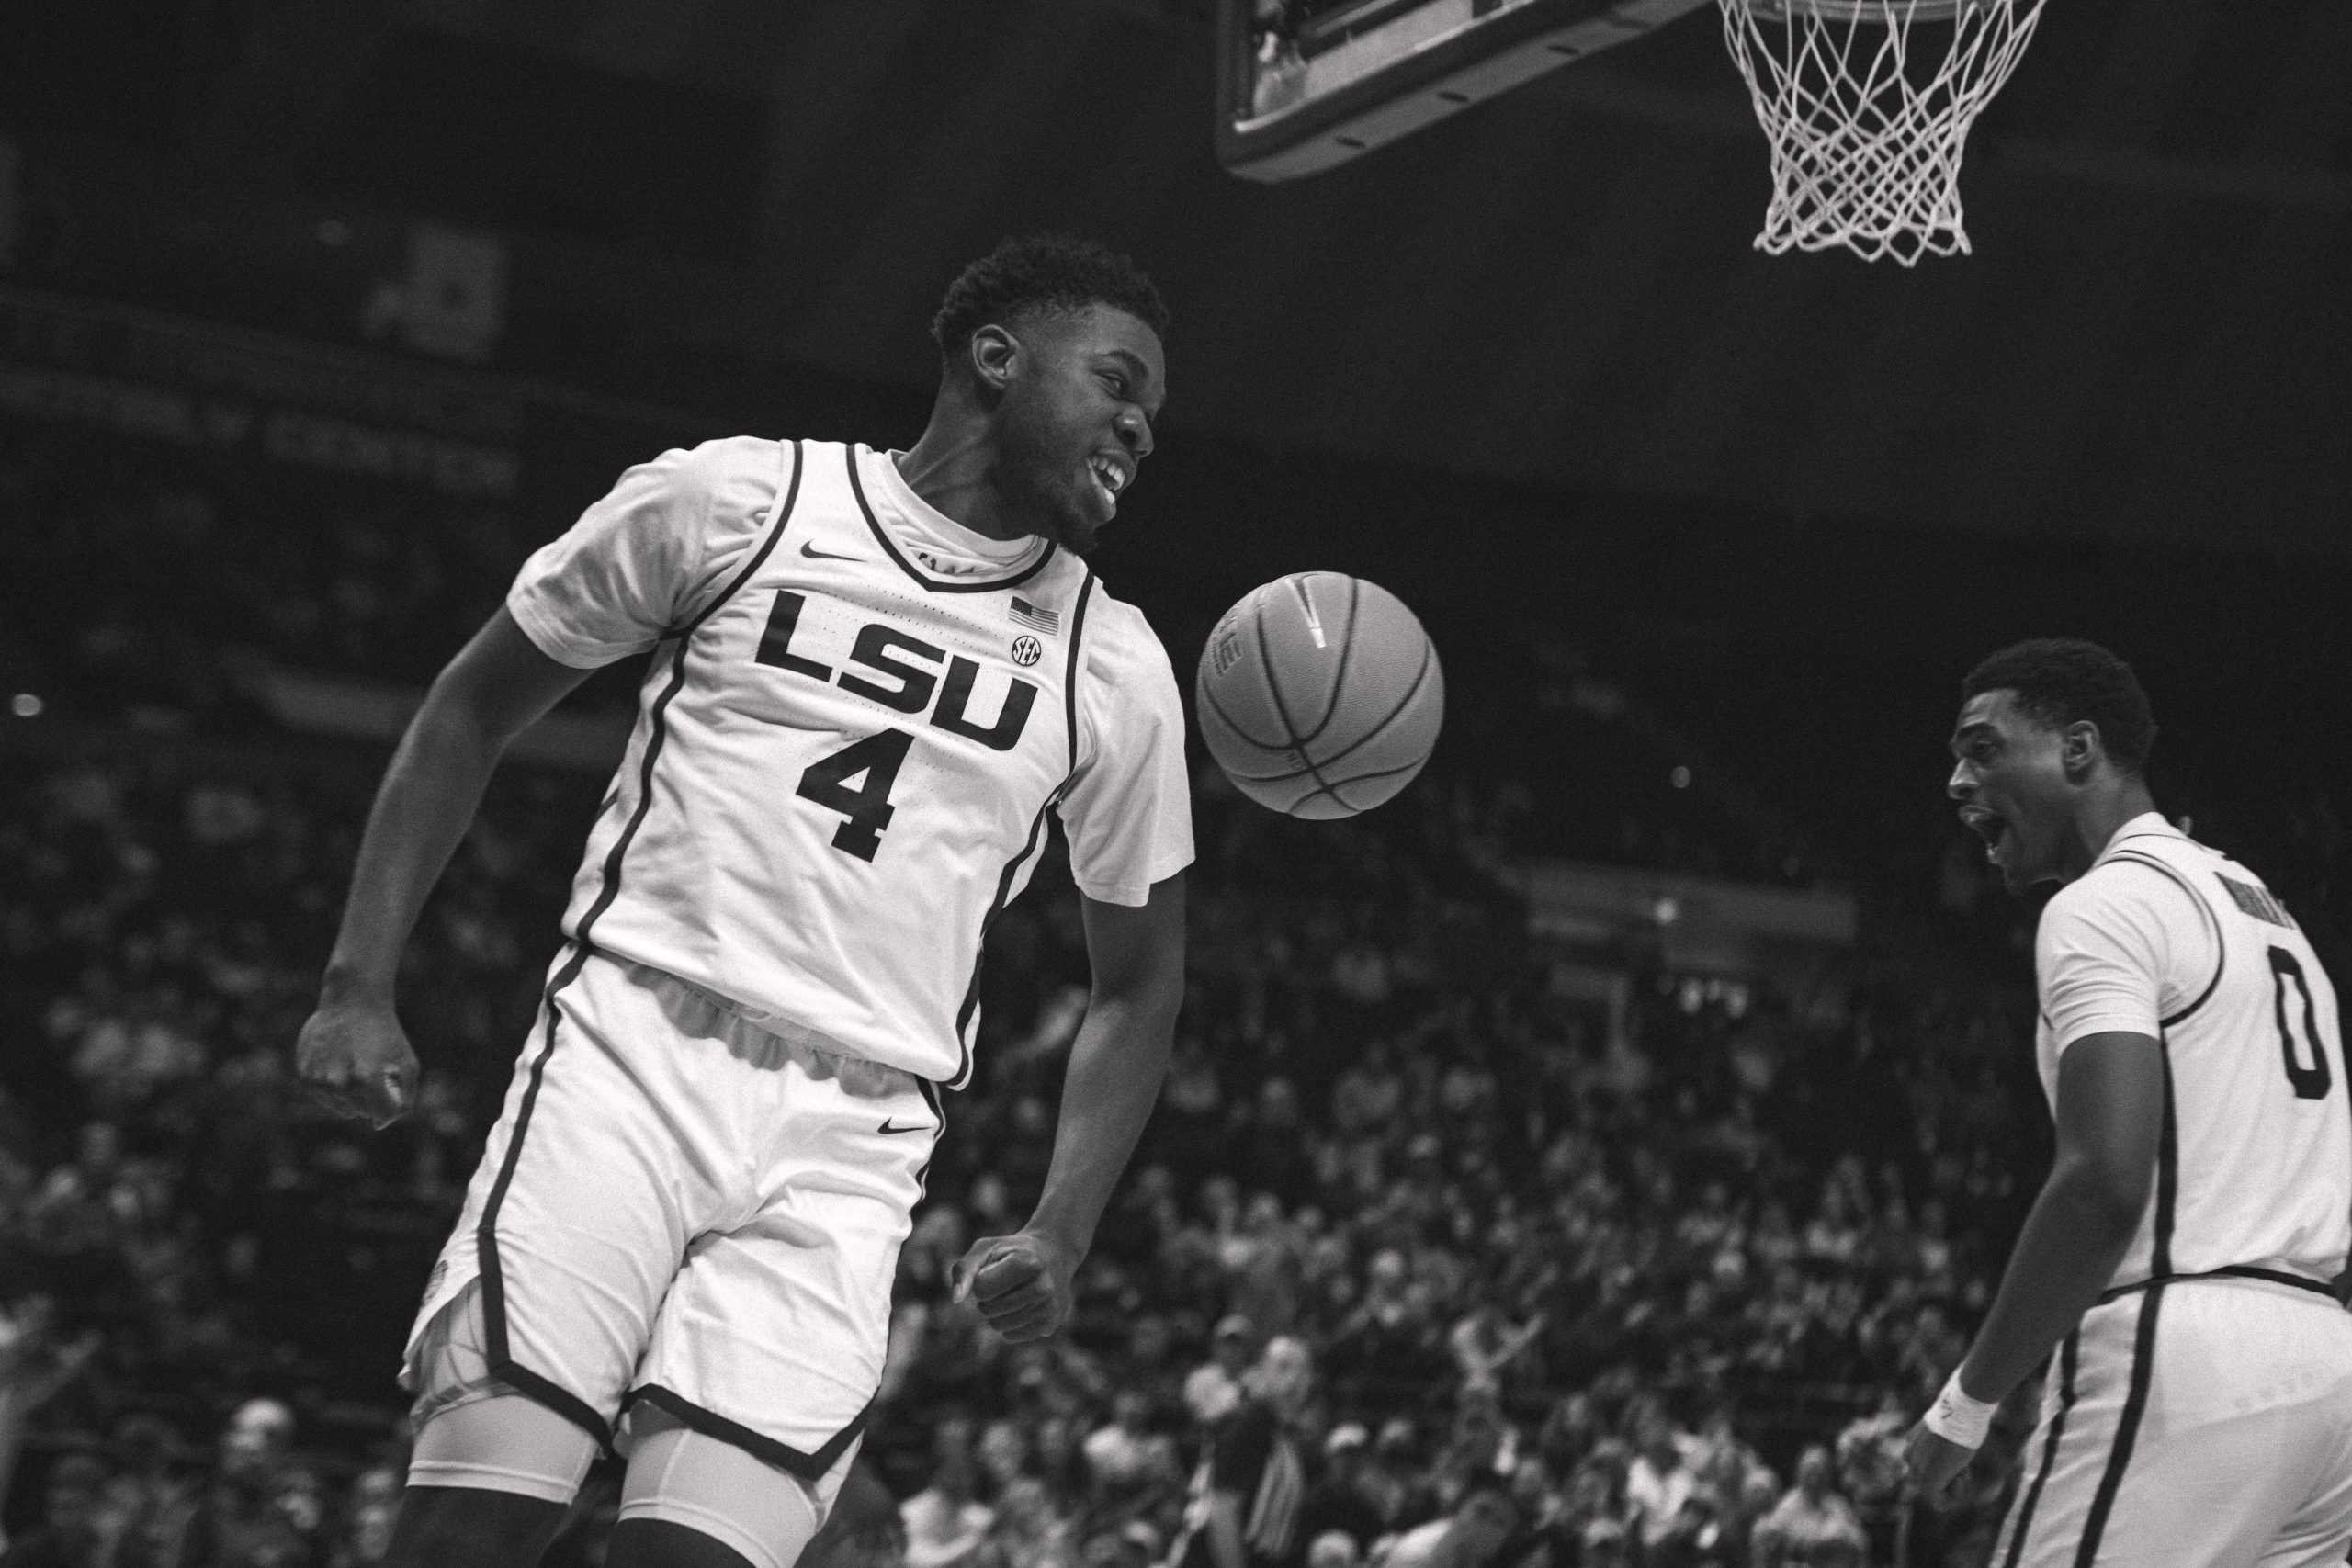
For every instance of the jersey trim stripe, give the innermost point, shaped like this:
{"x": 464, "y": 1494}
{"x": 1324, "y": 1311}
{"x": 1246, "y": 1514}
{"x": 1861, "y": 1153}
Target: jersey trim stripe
{"x": 2220, "y": 945}
{"x": 2231, "y": 1271}
{"x": 964, "y": 1014}
{"x": 809, "y": 1466}
{"x": 987, "y": 585}
{"x": 500, "y": 1357}
{"x": 2032, "y": 1498}
{"x": 2127, "y": 1428}
{"x": 2167, "y": 1169}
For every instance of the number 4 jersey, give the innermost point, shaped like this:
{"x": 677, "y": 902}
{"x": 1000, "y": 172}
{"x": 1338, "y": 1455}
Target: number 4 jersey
{"x": 2166, "y": 938}
{"x": 858, "y": 716}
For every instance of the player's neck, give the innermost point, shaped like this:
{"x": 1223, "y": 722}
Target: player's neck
{"x": 952, "y": 468}
{"x": 2099, "y": 817}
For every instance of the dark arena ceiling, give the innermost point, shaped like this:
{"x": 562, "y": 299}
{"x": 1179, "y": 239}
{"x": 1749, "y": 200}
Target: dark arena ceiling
{"x": 1555, "y": 288}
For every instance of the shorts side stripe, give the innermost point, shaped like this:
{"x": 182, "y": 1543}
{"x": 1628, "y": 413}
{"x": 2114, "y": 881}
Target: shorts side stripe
{"x": 809, "y": 1467}
{"x": 2127, "y": 1428}
{"x": 502, "y": 1366}
{"x": 2066, "y": 1395}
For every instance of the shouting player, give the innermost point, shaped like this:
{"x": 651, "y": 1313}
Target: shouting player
{"x": 873, "y": 675}
{"x": 2181, "y": 1254}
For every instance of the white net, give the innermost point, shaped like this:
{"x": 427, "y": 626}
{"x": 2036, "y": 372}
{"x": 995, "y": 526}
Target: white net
{"x": 1868, "y": 104}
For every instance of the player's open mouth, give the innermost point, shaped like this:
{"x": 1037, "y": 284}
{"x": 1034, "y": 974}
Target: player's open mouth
{"x": 1110, "y": 479}
{"x": 1989, "y": 827}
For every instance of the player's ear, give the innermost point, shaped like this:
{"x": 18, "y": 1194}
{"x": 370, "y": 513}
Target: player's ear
{"x": 992, "y": 354}
{"x": 2080, "y": 748}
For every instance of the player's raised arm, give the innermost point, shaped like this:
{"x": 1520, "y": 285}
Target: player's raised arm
{"x": 1023, "y": 1282}
{"x": 352, "y": 1050}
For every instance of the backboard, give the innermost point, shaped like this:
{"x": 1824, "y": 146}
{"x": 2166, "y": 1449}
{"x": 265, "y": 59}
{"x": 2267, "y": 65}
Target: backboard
{"x": 1306, "y": 85}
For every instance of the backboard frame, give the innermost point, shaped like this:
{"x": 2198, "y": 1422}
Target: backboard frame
{"x": 1497, "y": 45}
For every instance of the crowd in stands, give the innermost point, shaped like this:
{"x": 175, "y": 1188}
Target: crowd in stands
{"x": 1428, "y": 1258}
{"x": 1441, "y": 1241}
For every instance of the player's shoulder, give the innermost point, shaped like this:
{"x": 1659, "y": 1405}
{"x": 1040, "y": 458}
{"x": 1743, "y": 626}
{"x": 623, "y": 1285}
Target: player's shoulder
{"x": 1122, "y": 647}
{"x": 2144, "y": 884}
{"x": 2126, "y": 881}
{"x": 725, "y": 461}
{"x": 1116, "y": 618}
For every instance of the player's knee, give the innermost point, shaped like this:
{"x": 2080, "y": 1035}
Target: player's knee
{"x": 467, "y": 1526}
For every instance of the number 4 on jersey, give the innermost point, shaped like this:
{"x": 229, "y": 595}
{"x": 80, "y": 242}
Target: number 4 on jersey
{"x": 867, "y": 807}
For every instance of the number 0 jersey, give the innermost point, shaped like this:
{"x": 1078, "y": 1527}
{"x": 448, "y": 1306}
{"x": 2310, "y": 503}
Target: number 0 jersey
{"x": 858, "y": 717}
{"x": 2168, "y": 938}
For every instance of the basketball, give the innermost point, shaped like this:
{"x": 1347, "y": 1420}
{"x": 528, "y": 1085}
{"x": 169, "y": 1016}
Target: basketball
{"x": 1319, "y": 694}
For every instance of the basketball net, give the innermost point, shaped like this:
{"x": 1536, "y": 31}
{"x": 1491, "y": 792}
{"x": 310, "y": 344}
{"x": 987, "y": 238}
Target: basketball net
{"x": 1867, "y": 123}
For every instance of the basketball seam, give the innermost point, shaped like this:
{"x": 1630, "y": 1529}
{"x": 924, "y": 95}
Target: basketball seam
{"x": 1218, "y": 708}
{"x": 1372, "y": 732}
{"x": 1346, "y": 647}
{"x": 1282, "y": 708}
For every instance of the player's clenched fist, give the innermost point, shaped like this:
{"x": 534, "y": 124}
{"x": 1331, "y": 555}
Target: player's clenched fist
{"x": 1021, "y": 1283}
{"x": 357, "y": 1060}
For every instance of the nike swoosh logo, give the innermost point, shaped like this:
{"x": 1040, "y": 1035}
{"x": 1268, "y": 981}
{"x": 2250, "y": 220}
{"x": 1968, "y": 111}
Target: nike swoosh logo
{"x": 813, "y": 553}
{"x": 918, "y": 1127}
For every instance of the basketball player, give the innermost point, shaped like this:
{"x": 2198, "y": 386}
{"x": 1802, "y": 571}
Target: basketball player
{"x": 2180, "y": 1256}
{"x": 873, "y": 675}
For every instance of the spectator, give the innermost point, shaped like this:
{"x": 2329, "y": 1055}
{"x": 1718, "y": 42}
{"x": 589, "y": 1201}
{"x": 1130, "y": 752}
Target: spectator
{"x": 1812, "y": 1525}
{"x": 1471, "y": 1537}
{"x": 1333, "y": 1548}
{"x": 1337, "y": 1502}
{"x": 1214, "y": 1389}
{"x": 1485, "y": 1345}
{"x": 1124, "y": 1456}
{"x": 1254, "y": 1489}
{"x": 1660, "y": 1481}
{"x": 74, "y": 1531}
{"x": 34, "y": 1368}
{"x": 256, "y": 1513}
{"x": 945, "y": 1522}
{"x": 1028, "y": 1531}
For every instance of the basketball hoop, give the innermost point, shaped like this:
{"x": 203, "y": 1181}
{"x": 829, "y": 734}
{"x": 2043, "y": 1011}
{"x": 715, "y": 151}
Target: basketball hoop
{"x": 1868, "y": 104}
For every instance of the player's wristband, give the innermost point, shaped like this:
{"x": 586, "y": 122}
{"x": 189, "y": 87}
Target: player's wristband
{"x": 1956, "y": 1418}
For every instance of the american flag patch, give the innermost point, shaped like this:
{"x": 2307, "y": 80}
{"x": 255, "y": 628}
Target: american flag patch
{"x": 1036, "y": 618}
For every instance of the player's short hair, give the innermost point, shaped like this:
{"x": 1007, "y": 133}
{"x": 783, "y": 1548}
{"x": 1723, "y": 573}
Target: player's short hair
{"x": 1043, "y": 272}
{"x": 2062, "y": 680}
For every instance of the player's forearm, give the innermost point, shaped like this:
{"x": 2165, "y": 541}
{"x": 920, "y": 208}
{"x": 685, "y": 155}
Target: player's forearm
{"x": 427, "y": 800}
{"x": 1115, "y": 1067}
{"x": 2067, "y": 1253}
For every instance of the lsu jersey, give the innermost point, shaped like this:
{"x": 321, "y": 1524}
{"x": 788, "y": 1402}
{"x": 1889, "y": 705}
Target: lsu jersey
{"x": 857, "y": 717}
{"x": 2168, "y": 938}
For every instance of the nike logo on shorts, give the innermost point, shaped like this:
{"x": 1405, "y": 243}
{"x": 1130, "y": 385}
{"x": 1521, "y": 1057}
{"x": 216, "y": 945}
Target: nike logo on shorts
{"x": 887, "y": 1127}
{"x": 813, "y": 553}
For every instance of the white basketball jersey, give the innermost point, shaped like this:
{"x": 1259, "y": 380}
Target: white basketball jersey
{"x": 847, "y": 744}
{"x": 2255, "y": 1168}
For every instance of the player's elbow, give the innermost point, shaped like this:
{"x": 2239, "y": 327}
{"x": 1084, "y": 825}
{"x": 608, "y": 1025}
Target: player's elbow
{"x": 2111, "y": 1190}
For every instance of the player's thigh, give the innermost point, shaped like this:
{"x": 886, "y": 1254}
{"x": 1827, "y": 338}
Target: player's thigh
{"x": 611, "y": 1153}
{"x": 681, "y": 1476}
{"x": 2135, "y": 1461}
{"x": 779, "y": 1326}
{"x": 504, "y": 1443}
{"x": 2319, "y": 1534}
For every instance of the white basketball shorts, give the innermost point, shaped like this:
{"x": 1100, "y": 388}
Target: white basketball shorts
{"x": 680, "y": 1208}
{"x": 2200, "y": 1424}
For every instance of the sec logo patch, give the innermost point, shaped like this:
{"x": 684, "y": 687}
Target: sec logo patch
{"x": 1026, "y": 650}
